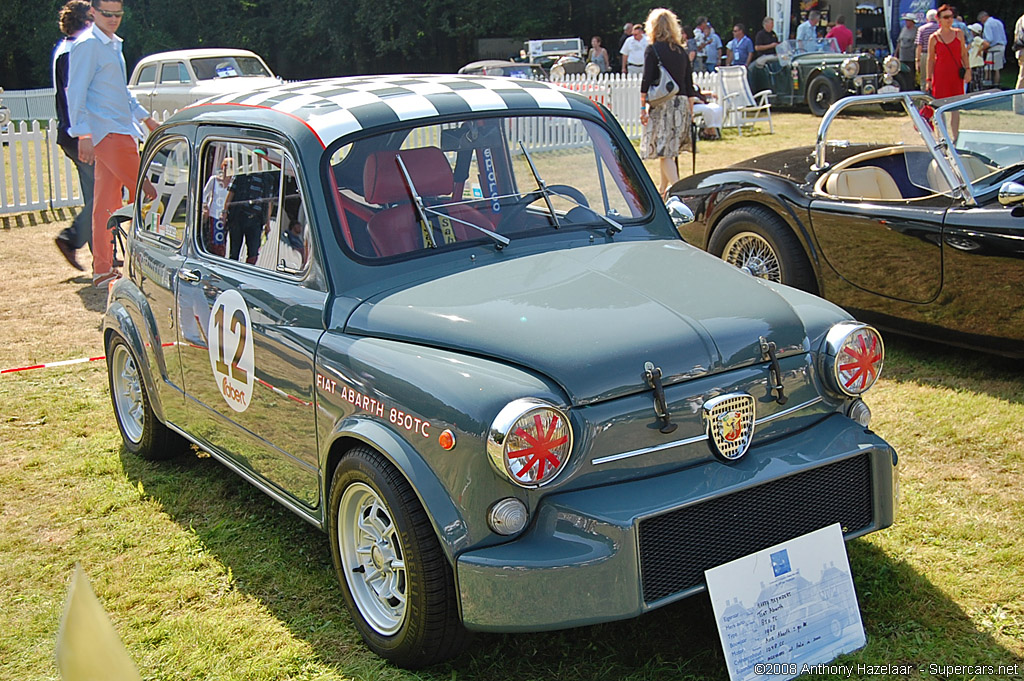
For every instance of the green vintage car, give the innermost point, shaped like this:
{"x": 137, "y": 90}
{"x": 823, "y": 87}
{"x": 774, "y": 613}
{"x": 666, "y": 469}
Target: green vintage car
{"x": 447, "y": 320}
{"x": 818, "y": 74}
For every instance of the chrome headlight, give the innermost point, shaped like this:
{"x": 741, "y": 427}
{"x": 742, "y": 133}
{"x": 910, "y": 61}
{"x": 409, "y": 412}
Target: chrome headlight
{"x": 529, "y": 442}
{"x": 891, "y": 65}
{"x": 852, "y": 358}
{"x": 850, "y": 67}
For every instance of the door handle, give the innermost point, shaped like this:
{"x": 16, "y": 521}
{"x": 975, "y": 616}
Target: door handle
{"x": 189, "y": 275}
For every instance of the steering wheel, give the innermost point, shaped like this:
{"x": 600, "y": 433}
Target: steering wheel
{"x": 526, "y": 199}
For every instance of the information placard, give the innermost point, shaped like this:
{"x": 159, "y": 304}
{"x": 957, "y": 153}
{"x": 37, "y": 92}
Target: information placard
{"x": 788, "y": 608}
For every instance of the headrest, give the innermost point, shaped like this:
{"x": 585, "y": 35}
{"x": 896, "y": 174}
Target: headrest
{"x": 428, "y": 167}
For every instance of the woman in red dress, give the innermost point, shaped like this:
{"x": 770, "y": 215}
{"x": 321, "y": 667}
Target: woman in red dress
{"x": 948, "y": 69}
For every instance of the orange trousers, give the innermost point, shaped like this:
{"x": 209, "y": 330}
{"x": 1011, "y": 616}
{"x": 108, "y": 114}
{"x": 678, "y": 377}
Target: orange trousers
{"x": 117, "y": 166}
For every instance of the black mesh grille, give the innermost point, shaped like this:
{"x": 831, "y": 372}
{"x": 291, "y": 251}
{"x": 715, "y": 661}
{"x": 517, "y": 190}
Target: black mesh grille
{"x": 677, "y": 547}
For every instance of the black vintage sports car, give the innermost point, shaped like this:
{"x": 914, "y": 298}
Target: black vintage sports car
{"x": 916, "y": 224}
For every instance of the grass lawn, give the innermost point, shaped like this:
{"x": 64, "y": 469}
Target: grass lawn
{"x": 206, "y": 578}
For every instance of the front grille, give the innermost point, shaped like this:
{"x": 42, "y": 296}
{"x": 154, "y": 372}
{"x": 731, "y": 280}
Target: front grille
{"x": 677, "y": 547}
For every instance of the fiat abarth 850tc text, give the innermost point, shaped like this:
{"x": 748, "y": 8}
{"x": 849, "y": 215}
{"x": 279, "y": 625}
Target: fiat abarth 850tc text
{"x": 447, "y": 320}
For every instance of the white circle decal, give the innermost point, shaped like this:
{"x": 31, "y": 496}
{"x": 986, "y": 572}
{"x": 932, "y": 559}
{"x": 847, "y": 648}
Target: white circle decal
{"x": 231, "y": 354}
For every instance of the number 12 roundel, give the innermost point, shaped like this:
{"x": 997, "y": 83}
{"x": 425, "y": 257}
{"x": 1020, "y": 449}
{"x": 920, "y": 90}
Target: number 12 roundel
{"x": 231, "y": 353}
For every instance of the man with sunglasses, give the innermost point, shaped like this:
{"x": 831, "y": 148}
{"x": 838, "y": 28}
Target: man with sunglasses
{"x": 105, "y": 120}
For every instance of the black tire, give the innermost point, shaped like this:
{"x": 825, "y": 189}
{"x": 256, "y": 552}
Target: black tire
{"x": 756, "y": 238}
{"x": 822, "y": 92}
{"x": 143, "y": 434}
{"x": 371, "y": 502}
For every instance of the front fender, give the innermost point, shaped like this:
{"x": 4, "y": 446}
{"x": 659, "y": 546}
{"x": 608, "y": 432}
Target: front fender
{"x": 118, "y": 320}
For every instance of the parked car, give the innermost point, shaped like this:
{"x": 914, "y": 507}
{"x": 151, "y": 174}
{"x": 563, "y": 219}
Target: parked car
{"x": 466, "y": 341}
{"x": 820, "y": 74}
{"x": 502, "y": 67}
{"x": 918, "y": 232}
{"x": 168, "y": 81}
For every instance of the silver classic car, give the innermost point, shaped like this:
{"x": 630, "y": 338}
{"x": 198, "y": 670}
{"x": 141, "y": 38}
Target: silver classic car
{"x": 447, "y": 320}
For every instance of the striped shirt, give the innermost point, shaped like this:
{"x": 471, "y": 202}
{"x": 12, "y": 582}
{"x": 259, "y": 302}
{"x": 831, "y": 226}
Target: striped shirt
{"x": 924, "y": 33}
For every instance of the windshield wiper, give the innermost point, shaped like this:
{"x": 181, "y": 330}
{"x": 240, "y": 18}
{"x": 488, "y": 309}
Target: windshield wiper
{"x": 540, "y": 185}
{"x": 613, "y": 226}
{"x": 1008, "y": 171}
{"x": 422, "y": 210}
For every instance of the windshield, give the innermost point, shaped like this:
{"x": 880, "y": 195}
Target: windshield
{"x": 794, "y": 47}
{"x": 989, "y": 138}
{"x": 209, "y": 68}
{"x": 470, "y": 181}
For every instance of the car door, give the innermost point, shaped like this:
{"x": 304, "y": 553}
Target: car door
{"x": 250, "y": 324}
{"x": 144, "y": 85}
{"x": 888, "y": 248}
{"x": 173, "y": 89}
{"x": 160, "y": 226}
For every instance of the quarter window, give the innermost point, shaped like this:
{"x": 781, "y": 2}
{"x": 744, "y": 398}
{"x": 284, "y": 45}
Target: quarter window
{"x": 166, "y": 180}
{"x": 147, "y": 76}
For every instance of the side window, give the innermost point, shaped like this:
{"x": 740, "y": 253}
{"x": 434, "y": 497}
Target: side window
{"x": 166, "y": 180}
{"x": 147, "y": 76}
{"x": 171, "y": 73}
{"x": 252, "y": 207}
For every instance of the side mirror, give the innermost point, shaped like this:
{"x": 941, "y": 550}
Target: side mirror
{"x": 680, "y": 212}
{"x": 1011, "y": 193}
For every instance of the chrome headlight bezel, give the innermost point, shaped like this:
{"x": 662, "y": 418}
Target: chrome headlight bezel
{"x": 891, "y": 65}
{"x": 836, "y": 347}
{"x": 499, "y": 440}
{"x": 850, "y": 67}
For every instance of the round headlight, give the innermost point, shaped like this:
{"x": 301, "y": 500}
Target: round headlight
{"x": 891, "y": 65}
{"x": 850, "y": 67}
{"x": 853, "y": 357}
{"x": 529, "y": 442}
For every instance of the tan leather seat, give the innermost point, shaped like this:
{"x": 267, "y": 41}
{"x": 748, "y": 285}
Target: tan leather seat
{"x": 863, "y": 183}
{"x": 975, "y": 167}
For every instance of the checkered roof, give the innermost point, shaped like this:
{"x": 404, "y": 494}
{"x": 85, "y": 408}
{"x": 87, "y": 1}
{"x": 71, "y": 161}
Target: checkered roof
{"x": 340, "y": 106}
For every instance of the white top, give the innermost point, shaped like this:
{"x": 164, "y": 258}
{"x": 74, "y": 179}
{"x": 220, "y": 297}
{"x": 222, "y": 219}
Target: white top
{"x": 634, "y": 51}
{"x": 215, "y": 193}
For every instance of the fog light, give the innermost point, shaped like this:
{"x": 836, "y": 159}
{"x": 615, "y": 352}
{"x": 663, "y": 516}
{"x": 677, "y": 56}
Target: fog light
{"x": 860, "y": 413}
{"x": 508, "y": 516}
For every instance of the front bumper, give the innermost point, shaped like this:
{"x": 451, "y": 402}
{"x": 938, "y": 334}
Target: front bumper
{"x": 616, "y": 551}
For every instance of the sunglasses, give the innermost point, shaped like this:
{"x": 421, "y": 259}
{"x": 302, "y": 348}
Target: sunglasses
{"x": 946, "y": 16}
{"x": 111, "y": 15}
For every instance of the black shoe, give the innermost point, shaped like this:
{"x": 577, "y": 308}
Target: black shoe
{"x": 69, "y": 253}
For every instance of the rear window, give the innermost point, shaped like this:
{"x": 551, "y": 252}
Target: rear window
{"x": 434, "y": 187}
{"x": 209, "y": 68}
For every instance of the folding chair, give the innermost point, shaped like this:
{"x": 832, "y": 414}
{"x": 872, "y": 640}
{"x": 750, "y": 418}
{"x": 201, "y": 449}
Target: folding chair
{"x": 742, "y": 108}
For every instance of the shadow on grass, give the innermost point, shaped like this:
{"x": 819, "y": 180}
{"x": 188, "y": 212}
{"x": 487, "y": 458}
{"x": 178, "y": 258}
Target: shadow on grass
{"x": 285, "y": 564}
{"x": 93, "y": 299}
{"x": 943, "y": 366}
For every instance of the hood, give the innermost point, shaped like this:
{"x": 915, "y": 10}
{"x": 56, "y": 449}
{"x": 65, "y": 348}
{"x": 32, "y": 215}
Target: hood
{"x": 224, "y": 86}
{"x": 589, "y": 318}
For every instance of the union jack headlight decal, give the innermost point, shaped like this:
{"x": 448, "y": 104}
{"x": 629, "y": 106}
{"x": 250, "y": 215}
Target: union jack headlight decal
{"x": 729, "y": 423}
{"x": 853, "y": 356}
{"x": 529, "y": 442}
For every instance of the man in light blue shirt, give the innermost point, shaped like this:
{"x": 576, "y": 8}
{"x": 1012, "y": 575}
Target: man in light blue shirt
{"x": 739, "y": 50}
{"x": 994, "y": 35}
{"x": 105, "y": 118}
{"x": 807, "y": 32}
{"x": 712, "y": 48}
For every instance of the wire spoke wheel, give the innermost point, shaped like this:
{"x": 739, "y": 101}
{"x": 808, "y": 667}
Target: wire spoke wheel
{"x": 373, "y": 558}
{"x": 126, "y": 390}
{"x": 753, "y": 252}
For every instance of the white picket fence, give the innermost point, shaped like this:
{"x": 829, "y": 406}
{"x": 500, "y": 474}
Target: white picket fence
{"x": 38, "y": 176}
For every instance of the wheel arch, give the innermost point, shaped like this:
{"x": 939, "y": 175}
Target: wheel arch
{"x": 784, "y": 207}
{"x": 449, "y": 526}
{"x": 118, "y": 321}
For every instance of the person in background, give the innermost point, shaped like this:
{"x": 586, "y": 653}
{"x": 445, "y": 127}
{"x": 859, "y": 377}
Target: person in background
{"x": 740, "y": 50}
{"x": 995, "y": 43}
{"x": 906, "y": 48}
{"x": 712, "y": 47}
{"x": 105, "y": 118}
{"x": 807, "y": 33}
{"x": 627, "y": 33}
{"x": 924, "y": 32}
{"x": 633, "y": 51}
{"x": 700, "y": 36}
{"x": 842, "y": 34}
{"x": 215, "y": 194}
{"x": 75, "y": 18}
{"x": 666, "y": 124}
{"x": 1018, "y": 46}
{"x": 766, "y": 40}
{"x": 958, "y": 22}
{"x": 691, "y": 44}
{"x": 599, "y": 55}
{"x": 976, "y": 48}
{"x": 947, "y": 60}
